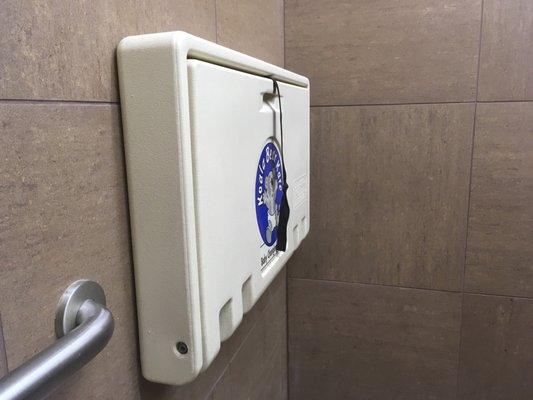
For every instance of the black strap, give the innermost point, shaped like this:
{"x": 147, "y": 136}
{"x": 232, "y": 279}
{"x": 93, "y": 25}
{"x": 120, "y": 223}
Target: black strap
{"x": 281, "y": 244}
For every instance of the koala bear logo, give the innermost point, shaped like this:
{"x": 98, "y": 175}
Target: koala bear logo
{"x": 269, "y": 197}
{"x": 269, "y": 192}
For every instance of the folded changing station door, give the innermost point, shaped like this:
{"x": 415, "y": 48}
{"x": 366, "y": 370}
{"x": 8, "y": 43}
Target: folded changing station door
{"x": 205, "y": 156}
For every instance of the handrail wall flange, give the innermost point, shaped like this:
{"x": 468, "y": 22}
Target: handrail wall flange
{"x": 83, "y": 326}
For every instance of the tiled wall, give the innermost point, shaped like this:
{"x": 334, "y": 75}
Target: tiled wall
{"x": 63, "y": 208}
{"x": 416, "y": 281}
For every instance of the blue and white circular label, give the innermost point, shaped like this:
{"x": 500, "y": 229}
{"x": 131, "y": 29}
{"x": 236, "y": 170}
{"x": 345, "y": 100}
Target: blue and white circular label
{"x": 268, "y": 192}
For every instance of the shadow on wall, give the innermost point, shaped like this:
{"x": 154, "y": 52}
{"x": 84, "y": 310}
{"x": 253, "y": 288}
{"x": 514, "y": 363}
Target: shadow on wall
{"x": 3, "y": 358}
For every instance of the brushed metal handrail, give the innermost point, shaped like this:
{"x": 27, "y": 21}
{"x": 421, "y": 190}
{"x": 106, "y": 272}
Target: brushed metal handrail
{"x": 84, "y": 326}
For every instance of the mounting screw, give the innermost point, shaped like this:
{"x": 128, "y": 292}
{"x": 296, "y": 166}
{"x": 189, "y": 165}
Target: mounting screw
{"x": 182, "y": 348}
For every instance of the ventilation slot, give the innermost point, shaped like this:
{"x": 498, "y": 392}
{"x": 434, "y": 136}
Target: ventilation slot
{"x": 247, "y": 296}
{"x": 225, "y": 321}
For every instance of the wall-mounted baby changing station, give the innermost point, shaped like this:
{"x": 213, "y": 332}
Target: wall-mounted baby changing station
{"x": 205, "y": 157}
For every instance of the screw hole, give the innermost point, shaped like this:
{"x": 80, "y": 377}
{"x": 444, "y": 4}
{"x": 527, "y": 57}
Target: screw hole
{"x": 182, "y": 348}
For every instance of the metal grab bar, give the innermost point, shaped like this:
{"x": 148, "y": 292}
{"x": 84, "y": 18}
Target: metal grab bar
{"x": 84, "y": 326}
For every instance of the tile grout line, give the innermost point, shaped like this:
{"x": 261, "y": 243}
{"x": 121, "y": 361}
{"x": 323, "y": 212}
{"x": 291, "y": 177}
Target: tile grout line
{"x": 287, "y": 330}
{"x": 4, "y": 366}
{"x": 105, "y": 102}
{"x": 232, "y": 358}
{"x": 60, "y": 102}
{"x": 376, "y": 284}
{"x": 504, "y": 296}
{"x": 385, "y": 285}
{"x": 219, "y": 379}
{"x": 391, "y": 104}
{"x": 117, "y": 103}
{"x": 286, "y": 267}
{"x": 241, "y": 344}
{"x": 419, "y": 103}
{"x": 284, "y": 39}
{"x": 463, "y": 278}
{"x": 216, "y": 21}
{"x": 503, "y": 101}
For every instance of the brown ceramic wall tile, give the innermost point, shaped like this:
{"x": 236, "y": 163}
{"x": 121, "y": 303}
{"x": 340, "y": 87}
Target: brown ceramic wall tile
{"x": 245, "y": 376}
{"x": 274, "y": 377}
{"x": 390, "y": 193}
{"x": 258, "y": 370}
{"x": 254, "y": 27}
{"x": 63, "y": 218}
{"x": 66, "y": 50}
{"x": 3, "y": 358}
{"x": 499, "y": 253}
{"x": 352, "y": 341}
{"x": 368, "y": 52}
{"x": 506, "y": 68}
{"x": 497, "y": 345}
